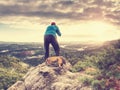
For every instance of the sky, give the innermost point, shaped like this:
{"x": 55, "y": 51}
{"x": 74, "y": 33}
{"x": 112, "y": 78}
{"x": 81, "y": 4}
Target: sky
{"x": 78, "y": 20}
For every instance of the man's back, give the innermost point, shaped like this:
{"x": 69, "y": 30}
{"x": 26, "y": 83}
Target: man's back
{"x": 52, "y": 30}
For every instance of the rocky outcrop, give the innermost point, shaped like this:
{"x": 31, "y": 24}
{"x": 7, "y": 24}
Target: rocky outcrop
{"x": 43, "y": 77}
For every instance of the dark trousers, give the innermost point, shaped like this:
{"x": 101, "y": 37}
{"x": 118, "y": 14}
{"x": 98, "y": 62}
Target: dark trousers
{"x": 50, "y": 39}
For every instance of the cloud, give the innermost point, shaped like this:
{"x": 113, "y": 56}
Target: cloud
{"x": 62, "y": 9}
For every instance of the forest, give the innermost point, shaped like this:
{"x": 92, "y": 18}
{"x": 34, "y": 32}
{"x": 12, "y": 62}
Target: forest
{"x": 101, "y": 64}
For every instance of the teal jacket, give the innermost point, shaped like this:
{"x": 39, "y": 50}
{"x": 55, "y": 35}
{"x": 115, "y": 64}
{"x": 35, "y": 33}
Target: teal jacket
{"x": 53, "y": 30}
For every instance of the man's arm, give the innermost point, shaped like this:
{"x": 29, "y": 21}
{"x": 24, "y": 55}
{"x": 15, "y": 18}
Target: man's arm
{"x": 58, "y": 32}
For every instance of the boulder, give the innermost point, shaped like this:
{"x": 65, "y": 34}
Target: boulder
{"x": 44, "y": 77}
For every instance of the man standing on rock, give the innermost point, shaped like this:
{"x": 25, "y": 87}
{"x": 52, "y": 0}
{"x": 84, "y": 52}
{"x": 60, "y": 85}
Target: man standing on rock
{"x": 51, "y": 38}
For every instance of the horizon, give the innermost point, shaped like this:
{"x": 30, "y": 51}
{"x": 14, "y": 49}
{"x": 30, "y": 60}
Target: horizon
{"x": 79, "y": 21}
{"x": 62, "y": 43}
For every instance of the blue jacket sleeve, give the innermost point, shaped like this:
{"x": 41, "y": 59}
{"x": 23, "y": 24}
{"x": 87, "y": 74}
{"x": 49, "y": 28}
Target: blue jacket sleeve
{"x": 58, "y": 32}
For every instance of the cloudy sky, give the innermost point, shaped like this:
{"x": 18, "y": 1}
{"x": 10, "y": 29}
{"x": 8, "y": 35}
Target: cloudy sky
{"x": 78, "y": 20}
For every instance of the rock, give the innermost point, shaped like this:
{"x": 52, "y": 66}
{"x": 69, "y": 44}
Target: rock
{"x": 43, "y": 77}
{"x": 18, "y": 85}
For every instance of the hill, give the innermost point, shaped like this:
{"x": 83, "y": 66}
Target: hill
{"x": 50, "y": 78}
{"x": 98, "y": 68}
{"x": 101, "y": 62}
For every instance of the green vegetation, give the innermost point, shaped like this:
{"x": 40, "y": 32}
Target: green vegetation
{"x": 102, "y": 65}
{"x": 11, "y": 70}
{"x": 99, "y": 67}
{"x": 86, "y": 80}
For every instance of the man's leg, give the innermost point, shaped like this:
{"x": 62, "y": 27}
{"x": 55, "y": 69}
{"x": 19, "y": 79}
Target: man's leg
{"x": 56, "y": 46}
{"x": 46, "y": 46}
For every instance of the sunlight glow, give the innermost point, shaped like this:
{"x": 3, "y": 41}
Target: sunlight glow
{"x": 86, "y": 31}
{"x": 91, "y": 31}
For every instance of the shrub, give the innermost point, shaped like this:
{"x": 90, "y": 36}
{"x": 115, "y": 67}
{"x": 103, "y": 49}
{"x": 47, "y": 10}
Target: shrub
{"x": 98, "y": 84}
{"x": 92, "y": 71}
{"x": 11, "y": 70}
{"x": 86, "y": 80}
{"x": 7, "y": 78}
{"x": 80, "y": 66}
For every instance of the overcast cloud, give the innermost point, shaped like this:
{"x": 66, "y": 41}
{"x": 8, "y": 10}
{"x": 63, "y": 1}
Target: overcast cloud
{"x": 63, "y": 9}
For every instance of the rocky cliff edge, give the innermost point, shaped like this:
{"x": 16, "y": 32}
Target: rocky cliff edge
{"x": 43, "y": 77}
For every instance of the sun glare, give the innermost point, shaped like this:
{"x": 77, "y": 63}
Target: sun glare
{"x": 103, "y": 31}
{"x": 91, "y": 31}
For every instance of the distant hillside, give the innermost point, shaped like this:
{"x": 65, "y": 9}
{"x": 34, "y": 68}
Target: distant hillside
{"x": 115, "y": 43}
